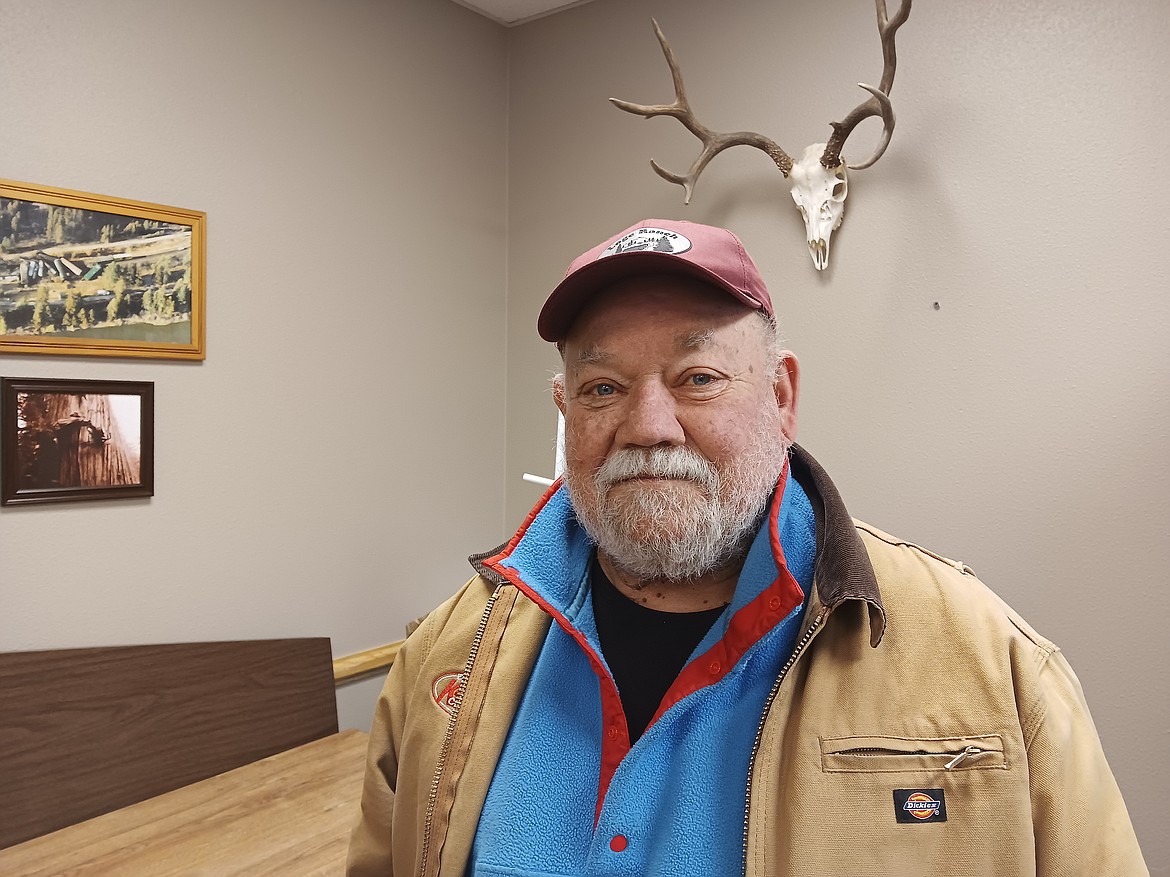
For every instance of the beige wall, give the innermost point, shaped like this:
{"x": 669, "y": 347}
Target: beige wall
{"x": 306, "y": 472}
{"x": 1023, "y": 425}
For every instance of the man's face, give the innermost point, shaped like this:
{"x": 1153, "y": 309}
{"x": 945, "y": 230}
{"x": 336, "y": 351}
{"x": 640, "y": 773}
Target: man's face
{"x": 677, "y": 420}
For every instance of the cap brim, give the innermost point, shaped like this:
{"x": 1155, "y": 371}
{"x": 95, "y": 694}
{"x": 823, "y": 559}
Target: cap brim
{"x": 573, "y": 293}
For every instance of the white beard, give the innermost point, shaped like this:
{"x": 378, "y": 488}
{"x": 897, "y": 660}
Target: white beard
{"x": 693, "y": 520}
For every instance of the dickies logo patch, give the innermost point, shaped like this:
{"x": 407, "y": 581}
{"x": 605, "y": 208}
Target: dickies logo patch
{"x": 446, "y": 689}
{"x": 913, "y": 806}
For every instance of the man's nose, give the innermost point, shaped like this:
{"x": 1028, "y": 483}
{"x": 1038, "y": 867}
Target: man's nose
{"x": 651, "y": 418}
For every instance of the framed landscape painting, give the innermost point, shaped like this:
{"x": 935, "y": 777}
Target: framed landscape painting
{"x": 64, "y": 440}
{"x": 99, "y": 276}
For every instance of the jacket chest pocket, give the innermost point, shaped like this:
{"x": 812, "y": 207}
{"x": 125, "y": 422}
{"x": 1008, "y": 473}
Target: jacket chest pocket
{"x": 881, "y": 754}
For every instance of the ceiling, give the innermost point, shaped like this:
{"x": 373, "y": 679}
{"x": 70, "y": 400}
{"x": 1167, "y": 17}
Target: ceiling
{"x": 513, "y": 12}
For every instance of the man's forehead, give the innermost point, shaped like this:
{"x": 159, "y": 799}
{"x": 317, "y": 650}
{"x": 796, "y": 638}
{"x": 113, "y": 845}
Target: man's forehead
{"x": 596, "y": 354}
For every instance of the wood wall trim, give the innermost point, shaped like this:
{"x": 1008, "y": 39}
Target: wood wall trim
{"x": 363, "y": 663}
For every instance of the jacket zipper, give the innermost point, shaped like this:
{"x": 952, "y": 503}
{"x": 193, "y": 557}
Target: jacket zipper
{"x": 456, "y": 703}
{"x": 969, "y": 752}
{"x": 796, "y": 652}
{"x": 956, "y": 758}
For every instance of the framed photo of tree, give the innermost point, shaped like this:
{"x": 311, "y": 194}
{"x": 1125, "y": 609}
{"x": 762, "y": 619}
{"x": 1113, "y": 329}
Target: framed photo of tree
{"x": 100, "y": 276}
{"x": 64, "y": 440}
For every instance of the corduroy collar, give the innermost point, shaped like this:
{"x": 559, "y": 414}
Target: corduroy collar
{"x": 843, "y": 571}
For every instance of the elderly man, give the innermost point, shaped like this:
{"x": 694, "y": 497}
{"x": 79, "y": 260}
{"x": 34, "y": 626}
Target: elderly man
{"x": 690, "y": 660}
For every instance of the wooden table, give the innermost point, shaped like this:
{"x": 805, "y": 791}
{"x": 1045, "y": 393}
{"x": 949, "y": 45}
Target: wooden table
{"x": 287, "y": 815}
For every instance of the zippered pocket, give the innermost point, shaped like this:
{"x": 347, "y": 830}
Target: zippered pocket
{"x": 870, "y": 754}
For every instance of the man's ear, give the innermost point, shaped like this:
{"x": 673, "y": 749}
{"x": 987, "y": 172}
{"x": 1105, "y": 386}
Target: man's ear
{"x": 787, "y": 388}
{"x": 558, "y": 391}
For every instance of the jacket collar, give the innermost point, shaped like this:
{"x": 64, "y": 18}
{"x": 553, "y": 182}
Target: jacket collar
{"x": 843, "y": 570}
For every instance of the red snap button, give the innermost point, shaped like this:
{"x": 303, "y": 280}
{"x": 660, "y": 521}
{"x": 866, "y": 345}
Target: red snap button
{"x": 612, "y": 733}
{"x": 774, "y": 603}
{"x": 715, "y": 668}
{"x": 618, "y": 843}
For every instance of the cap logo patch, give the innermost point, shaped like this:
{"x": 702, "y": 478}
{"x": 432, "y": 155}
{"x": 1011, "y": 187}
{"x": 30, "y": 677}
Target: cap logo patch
{"x": 648, "y": 240}
{"x": 919, "y": 805}
{"x": 445, "y": 690}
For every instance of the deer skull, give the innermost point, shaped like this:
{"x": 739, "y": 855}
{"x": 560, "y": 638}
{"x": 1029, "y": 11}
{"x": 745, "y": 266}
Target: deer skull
{"x": 819, "y": 184}
{"x": 820, "y": 195}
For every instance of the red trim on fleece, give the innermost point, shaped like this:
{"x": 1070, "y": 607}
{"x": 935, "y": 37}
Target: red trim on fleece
{"x": 515, "y": 540}
{"x": 615, "y": 733}
{"x": 747, "y": 626}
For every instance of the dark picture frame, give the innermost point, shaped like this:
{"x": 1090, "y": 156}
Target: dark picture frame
{"x": 73, "y": 440}
{"x": 95, "y": 275}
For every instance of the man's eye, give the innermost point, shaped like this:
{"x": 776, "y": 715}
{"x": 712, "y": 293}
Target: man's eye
{"x": 702, "y": 380}
{"x": 603, "y": 390}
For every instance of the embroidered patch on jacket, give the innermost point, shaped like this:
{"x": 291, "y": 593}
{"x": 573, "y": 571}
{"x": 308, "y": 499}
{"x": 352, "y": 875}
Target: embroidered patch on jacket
{"x": 912, "y": 806}
{"x": 445, "y": 690}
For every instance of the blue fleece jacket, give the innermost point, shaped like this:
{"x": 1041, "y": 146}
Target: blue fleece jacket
{"x": 570, "y": 796}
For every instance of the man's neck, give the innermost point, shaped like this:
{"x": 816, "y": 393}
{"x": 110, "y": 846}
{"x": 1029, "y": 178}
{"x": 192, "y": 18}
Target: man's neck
{"x": 692, "y": 595}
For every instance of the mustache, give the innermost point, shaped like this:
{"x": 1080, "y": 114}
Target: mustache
{"x": 681, "y": 462}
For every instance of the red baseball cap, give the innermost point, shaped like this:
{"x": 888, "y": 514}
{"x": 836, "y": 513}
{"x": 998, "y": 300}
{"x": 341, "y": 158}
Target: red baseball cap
{"x": 655, "y": 246}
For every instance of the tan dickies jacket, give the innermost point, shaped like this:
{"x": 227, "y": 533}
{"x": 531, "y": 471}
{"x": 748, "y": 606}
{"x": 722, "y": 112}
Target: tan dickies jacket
{"x": 921, "y": 728}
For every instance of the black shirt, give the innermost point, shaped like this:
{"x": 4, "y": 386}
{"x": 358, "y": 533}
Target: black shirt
{"x": 644, "y": 648}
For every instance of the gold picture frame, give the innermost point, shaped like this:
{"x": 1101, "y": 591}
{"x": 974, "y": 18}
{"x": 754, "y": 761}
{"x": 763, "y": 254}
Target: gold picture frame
{"x": 93, "y": 275}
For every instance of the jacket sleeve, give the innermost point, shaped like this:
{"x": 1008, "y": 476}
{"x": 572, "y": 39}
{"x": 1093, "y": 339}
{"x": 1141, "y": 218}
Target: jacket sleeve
{"x": 403, "y": 743}
{"x": 1080, "y": 820}
{"x": 370, "y": 851}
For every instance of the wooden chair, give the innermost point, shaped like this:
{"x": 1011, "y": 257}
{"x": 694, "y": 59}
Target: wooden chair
{"x": 86, "y": 731}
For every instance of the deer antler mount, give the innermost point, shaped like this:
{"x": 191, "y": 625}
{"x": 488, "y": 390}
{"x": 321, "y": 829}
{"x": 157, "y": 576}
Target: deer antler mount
{"x": 819, "y": 179}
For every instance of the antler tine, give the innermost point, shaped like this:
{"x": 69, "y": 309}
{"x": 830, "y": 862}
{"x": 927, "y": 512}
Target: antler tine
{"x": 879, "y": 103}
{"x": 713, "y": 142}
